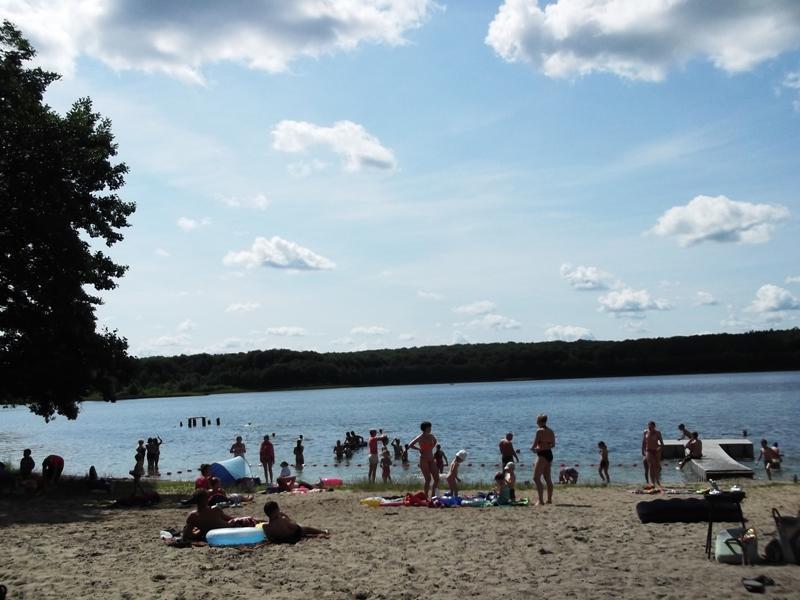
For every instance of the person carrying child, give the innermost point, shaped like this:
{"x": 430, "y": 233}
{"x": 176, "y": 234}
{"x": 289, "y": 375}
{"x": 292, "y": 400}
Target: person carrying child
{"x": 452, "y": 476}
{"x": 602, "y": 468}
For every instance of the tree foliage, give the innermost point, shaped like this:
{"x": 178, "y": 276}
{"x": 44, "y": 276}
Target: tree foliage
{"x": 281, "y": 369}
{"x": 57, "y": 198}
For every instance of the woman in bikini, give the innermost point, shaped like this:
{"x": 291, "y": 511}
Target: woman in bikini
{"x": 543, "y": 444}
{"x": 424, "y": 443}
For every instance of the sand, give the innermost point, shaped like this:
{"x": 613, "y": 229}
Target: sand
{"x": 589, "y": 544}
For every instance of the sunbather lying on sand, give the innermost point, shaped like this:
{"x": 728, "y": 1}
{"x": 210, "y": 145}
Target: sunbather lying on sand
{"x": 281, "y": 529}
{"x": 204, "y": 519}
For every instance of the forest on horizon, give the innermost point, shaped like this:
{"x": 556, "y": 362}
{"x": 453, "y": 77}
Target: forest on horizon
{"x": 265, "y": 370}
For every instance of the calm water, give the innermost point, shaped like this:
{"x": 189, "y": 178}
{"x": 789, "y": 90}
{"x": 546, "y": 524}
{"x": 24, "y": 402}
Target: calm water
{"x": 471, "y": 416}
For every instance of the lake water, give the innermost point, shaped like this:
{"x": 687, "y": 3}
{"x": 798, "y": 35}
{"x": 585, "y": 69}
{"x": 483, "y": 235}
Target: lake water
{"x": 472, "y": 416}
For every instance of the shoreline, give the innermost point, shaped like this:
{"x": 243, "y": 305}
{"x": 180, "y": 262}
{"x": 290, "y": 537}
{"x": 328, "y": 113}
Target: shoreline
{"x": 191, "y": 394}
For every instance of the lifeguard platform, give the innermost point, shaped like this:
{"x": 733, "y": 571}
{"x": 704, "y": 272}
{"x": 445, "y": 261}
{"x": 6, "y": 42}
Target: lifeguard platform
{"x": 719, "y": 458}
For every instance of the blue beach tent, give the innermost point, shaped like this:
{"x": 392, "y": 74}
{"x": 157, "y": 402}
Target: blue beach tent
{"x": 231, "y": 470}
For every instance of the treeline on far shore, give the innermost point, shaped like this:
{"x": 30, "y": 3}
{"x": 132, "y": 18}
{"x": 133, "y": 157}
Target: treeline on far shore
{"x": 264, "y": 370}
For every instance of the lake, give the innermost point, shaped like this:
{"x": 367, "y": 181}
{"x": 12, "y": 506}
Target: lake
{"x": 473, "y": 416}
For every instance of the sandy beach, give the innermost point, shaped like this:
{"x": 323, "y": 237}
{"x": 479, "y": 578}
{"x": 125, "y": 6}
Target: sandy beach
{"x": 588, "y": 544}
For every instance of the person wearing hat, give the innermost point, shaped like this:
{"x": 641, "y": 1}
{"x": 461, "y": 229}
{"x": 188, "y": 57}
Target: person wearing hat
{"x": 452, "y": 477}
{"x": 511, "y": 479}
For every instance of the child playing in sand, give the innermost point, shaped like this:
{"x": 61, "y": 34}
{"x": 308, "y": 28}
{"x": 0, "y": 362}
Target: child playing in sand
{"x": 452, "y": 477}
{"x": 511, "y": 479}
{"x": 568, "y": 475}
{"x": 386, "y": 466}
{"x": 602, "y": 468}
{"x": 501, "y": 489}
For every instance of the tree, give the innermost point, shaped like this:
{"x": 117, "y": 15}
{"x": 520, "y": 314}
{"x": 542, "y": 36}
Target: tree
{"x": 57, "y": 197}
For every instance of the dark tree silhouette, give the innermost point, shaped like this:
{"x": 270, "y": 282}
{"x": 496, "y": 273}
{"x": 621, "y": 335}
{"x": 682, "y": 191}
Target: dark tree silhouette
{"x": 57, "y": 194}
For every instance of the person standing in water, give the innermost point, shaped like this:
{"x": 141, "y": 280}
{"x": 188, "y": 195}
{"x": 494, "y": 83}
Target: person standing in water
{"x": 424, "y": 443}
{"x": 267, "y": 456}
{"x": 372, "y": 445}
{"x": 652, "y": 442}
{"x": 543, "y": 443}
{"x": 238, "y": 448}
{"x": 507, "y": 452}
{"x": 441, "y": 459}
{"x": 299, "y": 459}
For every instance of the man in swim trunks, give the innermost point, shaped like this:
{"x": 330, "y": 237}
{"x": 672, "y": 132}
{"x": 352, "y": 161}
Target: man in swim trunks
{"x": 652, "y": 443}
{"x": 372, "y": 445}
{"x": 693, "y": 449}
{"x": 281, "y": 529}
{"x": 507, "y": 452}
{"x": 543, "y": 444}
{"x": 202, "y": 520}
{"x": 771, "y": 458}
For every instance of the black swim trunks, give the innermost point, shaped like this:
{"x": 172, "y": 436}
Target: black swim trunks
{"x": 603, "y": 464}
{"x": 545, "y": 454}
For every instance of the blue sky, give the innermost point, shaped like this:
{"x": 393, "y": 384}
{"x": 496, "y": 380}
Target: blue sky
{"x": 347, "y": 175}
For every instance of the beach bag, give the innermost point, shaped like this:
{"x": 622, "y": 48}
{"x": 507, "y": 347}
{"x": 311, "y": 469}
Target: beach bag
{"x": 729, "y": 547}
{"x": 788, "y": 529}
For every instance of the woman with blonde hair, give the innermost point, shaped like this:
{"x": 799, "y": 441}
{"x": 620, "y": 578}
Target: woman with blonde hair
{"x": 543, "y": 444}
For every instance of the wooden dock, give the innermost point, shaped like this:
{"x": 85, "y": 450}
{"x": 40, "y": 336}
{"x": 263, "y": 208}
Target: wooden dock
{"x": 719, "y": 458}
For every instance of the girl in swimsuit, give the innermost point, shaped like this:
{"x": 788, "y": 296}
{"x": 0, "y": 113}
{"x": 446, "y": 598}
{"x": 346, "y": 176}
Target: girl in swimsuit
{"x": 603, "y": 467}
{"x": 543, "y": 445}
{"x": 424, "y": 443}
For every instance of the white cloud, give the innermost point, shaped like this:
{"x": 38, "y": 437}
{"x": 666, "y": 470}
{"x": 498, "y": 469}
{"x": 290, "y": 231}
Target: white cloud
{"x": 586, "y": 278}
{"x": 302, "y": 169}
{"x": 642, "y": 39}
{"x": 161, "y": 252}
{"x": 180, "y": 37}
{"x": 429, "y": 295}
{"x": 772, "y": 299}
{"x": 186, "y": 325}
{"x": 287, "y": 331}
{"x": 481, "y": 307}
{"x": 705, "y": 299}
{"x": 259, "y": 201}
{"x": 792, "y": 82}
{"x": 242, "y": 307}
{"x": 406, "y": 337}
{"x": 279, "y": 253}
{"x": 459, "y": 338}
{"x": 719, "y": 219}
{"x": 350, "y": 141}
{"x": 630, "y": 303}
{"x": 187, "y": 224}
{"x": 568, "y": 333}
{"x": 792, "y": 279}
{"x": 495, "y": 321}
{"x": 369, "y": 330}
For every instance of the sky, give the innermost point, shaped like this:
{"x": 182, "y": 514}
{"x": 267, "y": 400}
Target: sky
{"x": 346, "y": 175}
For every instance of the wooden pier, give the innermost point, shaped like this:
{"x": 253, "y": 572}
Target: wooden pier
{"x": 719, "y": 458}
